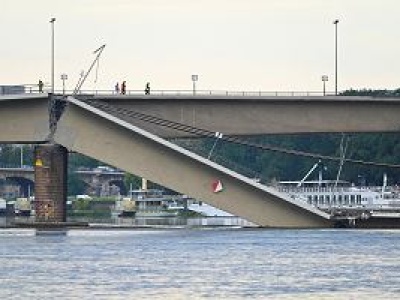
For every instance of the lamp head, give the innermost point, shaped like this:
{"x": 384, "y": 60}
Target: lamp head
{"x": 336, "y": 21}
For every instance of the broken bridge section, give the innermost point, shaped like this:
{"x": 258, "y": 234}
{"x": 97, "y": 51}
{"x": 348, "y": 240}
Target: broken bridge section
{"x": 103, "y": 136}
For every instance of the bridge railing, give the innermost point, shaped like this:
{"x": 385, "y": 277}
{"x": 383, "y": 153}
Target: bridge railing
{"x": 208, "y": 93}
{"x": 33, "y": 89}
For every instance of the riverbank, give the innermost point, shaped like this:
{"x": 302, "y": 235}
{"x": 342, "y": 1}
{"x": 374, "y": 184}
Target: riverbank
{"x": 128, "y": 223}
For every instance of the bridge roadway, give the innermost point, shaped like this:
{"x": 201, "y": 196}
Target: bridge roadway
{"x": 137, "y": 147}
{"x": 25, "y": 118}
{"x": 254, "y": 115}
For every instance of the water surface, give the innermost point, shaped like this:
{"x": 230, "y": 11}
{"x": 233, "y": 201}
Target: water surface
{"x": 215, "y": 263}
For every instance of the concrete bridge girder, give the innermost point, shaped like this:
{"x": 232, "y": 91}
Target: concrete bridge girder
{"x": 87, "y": 130}
{"x": 24, "y": 118}
{"x": 264, "y": 115}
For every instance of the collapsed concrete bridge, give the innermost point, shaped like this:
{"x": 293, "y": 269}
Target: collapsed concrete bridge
{"x": 98, "y": 127}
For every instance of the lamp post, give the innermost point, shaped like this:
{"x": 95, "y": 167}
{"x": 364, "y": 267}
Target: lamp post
{"x": 52, "y": 20}
{"x": 194, "y": 79}
{"x": 324, "y": 79}
{"x": 63, "y": 78}
{"x": 336, "y": 52}
{"x": 21, "y": 148}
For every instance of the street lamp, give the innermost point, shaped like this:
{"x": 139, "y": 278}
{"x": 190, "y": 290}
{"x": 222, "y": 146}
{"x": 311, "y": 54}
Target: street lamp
{"x": 52, "y": 20}
{"x": 336, "y": 52}
{"x": 324, "y": 79}
{"x": 194, "y": 79}
{"x": 63, "y": 78}
{"x": 21, "y": 148}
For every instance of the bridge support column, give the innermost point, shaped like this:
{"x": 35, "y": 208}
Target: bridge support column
{"x": 50, "y": 183}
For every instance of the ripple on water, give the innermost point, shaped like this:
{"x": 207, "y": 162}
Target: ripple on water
{"x": 213, "y": 264}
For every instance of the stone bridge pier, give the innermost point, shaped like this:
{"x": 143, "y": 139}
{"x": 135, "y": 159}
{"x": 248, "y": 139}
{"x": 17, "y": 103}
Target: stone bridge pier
{"x": 50, "y": 183}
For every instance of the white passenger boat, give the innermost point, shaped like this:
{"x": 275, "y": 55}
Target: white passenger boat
{"x": 335, "y": 196}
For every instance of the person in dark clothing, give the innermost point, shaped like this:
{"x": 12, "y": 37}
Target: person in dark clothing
{"x": 116, "y": 88}
{"x": 147, "y": 89}
{"x": 40, "y": 86}
{"x": 123, "y": 88}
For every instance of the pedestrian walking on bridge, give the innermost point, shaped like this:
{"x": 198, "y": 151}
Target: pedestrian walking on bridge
{"x": 40, "y": 86}
{"x": 147, "y": 89}
{"x": 123, "y": 88}
{"x": 116, "y": 88}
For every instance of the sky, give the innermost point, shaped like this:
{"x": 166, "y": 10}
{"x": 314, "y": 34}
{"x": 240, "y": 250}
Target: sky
{"x": 235, "y": 45}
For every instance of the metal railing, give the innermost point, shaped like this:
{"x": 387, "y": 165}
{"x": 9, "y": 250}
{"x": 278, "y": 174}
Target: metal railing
{"x": 34, "y": 89}
{"x": 201, "y": 93}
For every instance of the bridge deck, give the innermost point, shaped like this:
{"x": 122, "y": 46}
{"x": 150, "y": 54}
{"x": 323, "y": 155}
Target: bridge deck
{"x": 24, "y": 118}
{"x": 252, "y": 115}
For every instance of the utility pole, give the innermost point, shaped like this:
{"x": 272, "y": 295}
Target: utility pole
{"x": 52, "y": 54}
{"x": 336, "y": 53}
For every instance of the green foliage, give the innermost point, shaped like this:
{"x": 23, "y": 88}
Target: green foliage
{"x": 10, "y": 155}
{"x": 76, "y": 160}
{"x": 372, "y": 93}
{"x": 75, "y": 185}
{"x": 129, "y": 179}
{"x": 81, "y": 204}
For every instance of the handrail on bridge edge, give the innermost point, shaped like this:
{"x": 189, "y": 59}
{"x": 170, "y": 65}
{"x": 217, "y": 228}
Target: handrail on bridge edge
{"x": 34, "y": 89}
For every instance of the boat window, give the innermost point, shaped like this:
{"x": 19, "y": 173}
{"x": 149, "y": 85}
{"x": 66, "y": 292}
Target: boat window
{"x": 340, "y": 199}
{"x": 352, "y": 199}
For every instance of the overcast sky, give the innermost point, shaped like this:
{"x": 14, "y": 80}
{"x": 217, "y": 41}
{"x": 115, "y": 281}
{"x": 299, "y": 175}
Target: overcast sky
{"x": 263, "y": 45}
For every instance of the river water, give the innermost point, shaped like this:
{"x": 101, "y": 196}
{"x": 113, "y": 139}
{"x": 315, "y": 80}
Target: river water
{"x": 202, "y": 263}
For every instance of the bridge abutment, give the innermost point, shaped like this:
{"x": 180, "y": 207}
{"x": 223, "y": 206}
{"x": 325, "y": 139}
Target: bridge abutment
{"x": 51, "y": 163}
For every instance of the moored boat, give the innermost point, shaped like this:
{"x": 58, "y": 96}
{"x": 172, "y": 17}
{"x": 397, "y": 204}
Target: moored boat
{"x": 341, "y": 197}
